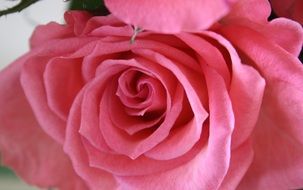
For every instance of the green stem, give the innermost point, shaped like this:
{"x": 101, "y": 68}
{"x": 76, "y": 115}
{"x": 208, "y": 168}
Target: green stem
{"x": 17, "y": 8}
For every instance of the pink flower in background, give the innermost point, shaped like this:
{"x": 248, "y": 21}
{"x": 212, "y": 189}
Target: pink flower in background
{"x": 218, "y": 109}
{"x": 170, "y": 16}
{"x": 292, "y": 9}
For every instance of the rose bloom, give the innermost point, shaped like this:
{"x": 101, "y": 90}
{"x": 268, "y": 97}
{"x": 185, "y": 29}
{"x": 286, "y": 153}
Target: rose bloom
{"x": 292, "y": 9}
{"x": 218, "y": 109}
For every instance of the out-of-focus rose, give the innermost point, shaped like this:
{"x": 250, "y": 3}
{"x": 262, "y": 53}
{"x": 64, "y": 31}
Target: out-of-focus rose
{"x": 219, "y": 109}
{"x": 292, "y": 9}
{"x": 170, "y": 16}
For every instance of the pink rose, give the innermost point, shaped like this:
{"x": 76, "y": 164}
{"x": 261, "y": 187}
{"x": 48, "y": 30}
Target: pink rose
{"x": 219, "y": 109}
{"x": 170, "y": 16}
{"x": 292, "y": 9}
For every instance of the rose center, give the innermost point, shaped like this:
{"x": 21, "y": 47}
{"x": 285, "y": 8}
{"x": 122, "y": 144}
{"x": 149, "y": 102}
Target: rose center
{"x": 140, "y": 93}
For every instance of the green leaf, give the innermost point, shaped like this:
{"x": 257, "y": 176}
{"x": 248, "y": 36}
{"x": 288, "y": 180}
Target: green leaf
{"x": 96, "y": 7}
{"x": 17, "y": 8}
{"x": 4, "y": 171}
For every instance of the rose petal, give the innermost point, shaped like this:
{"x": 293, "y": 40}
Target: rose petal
{"x": 103, "y": 51}
{"x": 51, "y": 31}
{"x": 130, "y": 123}
{"x": 292, "y": 37}
{"x": 214, "y": 158}
{"x": 179, "y": 142}
{"x": 128, "y": 144}
{"x": 181, "y": 139}
{"x": 95, "y": 178}
{"x": 170, "y": 16}
{"x": 140, "y": 92}
{"x": 125, "y": 166}
{"x": 89, "y": 127}
{"x": 254, "y": 10}
{"x": 208, "y": 53}
{"x": 246, "y": 92}
{"x": 32, "y": 81}
{"x": 278, "y": 134}
{"x": 241, "y": 158}
{"x": 77, "y": 148}
{"x": 291, "y": 40}
{"x": 77, "y": 20}
{"x": 32, "y": 154}
{"x": 191, "y": 81}
{"x": 62, "y": 80}
{"x": 134, "y": 146}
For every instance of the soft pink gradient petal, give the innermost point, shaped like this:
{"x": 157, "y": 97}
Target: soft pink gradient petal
{"x": 170, "y": 16}
{"x": 208, "y": 54}
{"x": 141, "y": 93}
{"x": 62, "y": 81}
{"x": 79, "y": 149}
{"x": 95, "y": 178}
{"x": 254, "y": 10}
{"x": 245, "y": 90}
{"x": 286, "y": 33}
{"x": 290, "y": 9}
{"x": 291, "y": 40}
{"x": 89, "y": 127}
{"x": 51, "y": 31}
{"x": 127, "y": 144}
{"x": 208, "y": 168}
{"x": 241, "y": 159}
{"x": 77, "y": 21}
{"x": 122, "y": 164}
{"x": 130, "y": 123}
{"x": 135, "y": 146}
{"x": 33, "y": 155}
{"x": 178, "y": 143}
{"x": 246, "y": 93}
{"x": 278, "y": 134}
{"x": 33, "y": 84}
{"x": 125, "y": 166}
{"x": 191, "y": 81}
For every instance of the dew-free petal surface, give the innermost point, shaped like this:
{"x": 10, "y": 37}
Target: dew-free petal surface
{"x": 24, "y": 146}
{"x": 277, "y": 139}
{"x": 170, "y": 16}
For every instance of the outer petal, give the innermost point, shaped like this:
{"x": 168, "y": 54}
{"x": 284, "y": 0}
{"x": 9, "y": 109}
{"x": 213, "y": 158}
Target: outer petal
{"x": 245, "y": 90}
{"x": 240, "y": 161}
{"x": 32, "y": 154}
{"x": 33, "y": 84}
{"x": 255, "y": 13}
{"x": 286, "y": 33}
{"x": 170, "y": 16}
{"x": 75, "y": 24}
{"x": 278, "y": 137}
{"x": 96, "y": 179}
{"x": 254, "y": 10}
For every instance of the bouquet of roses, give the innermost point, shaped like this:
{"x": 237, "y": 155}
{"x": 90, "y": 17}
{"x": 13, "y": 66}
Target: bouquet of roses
{"x": 159, "y": 95}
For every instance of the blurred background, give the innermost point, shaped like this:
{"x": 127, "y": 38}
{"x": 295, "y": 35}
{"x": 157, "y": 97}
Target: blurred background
{"x": 15, "y": 30}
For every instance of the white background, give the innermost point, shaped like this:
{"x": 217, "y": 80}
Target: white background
{"x": 15, "y": 29}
